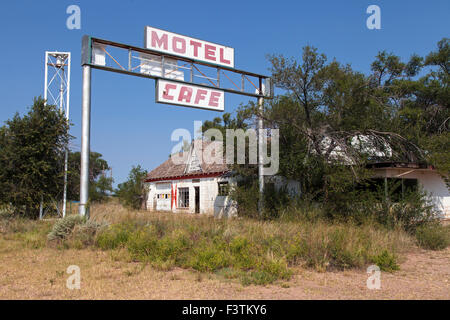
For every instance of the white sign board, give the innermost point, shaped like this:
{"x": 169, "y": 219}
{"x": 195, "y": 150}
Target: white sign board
{"x": 183, "y": 46}
{"x": 152, "y": 65}
{"x": 189, "y": 95}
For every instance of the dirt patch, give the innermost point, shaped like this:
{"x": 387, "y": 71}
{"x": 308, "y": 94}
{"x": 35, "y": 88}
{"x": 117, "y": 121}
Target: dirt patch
{"x": 41, "y": 274}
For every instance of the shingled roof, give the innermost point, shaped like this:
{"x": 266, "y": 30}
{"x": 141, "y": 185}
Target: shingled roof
{"x": 171, "y": 169}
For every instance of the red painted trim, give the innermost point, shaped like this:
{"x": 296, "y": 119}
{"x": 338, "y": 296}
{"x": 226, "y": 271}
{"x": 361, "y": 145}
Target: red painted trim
{"x": 187, "y": 177}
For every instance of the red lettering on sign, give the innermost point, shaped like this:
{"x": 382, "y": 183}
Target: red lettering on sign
{"x": 186, "y": 94}
{"x": 214, "y": 99}
{"x": 166, "y": 91}
{"x": 196, "y": 45}
{"x": 176, "y": 40}
{"x": 222, "y": 59}
{"x": 209, "y": 52}
{"x": 159, "y": 41}
{"x": 200, "y": 95}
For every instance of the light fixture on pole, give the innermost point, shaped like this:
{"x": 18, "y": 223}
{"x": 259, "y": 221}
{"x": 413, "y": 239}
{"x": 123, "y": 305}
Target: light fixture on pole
{"x": 57, "y": 92}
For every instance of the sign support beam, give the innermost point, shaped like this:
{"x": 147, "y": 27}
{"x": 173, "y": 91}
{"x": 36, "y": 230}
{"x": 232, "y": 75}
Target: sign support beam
{"x": 260, "y": 157}
{"x": 85, "y": 141}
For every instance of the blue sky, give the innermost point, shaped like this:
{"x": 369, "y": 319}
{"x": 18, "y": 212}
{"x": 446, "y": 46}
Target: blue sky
{"x": 128, "y": 127}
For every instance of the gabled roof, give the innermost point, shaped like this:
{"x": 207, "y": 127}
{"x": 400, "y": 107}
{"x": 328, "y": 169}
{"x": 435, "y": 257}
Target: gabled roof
{"x": 188, "y": 164}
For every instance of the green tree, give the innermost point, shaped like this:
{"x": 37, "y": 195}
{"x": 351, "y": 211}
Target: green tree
{"x": 32, "y": 158}
{"x": 132, "y": 193}
{"x": 99, "y": 185}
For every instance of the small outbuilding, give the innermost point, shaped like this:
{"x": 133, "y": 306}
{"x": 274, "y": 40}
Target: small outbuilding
{"x": 411, "y": 174}
{"x": 186, "y": 184}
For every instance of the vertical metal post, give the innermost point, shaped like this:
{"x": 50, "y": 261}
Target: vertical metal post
{"x": 61, "y": 89}
{"x": 68, "y": 88}
{"x": 260, "y": 158}
{"x": 41, "y": 208}
{"x": 85, "y": 140}
{"x": 129, "y": 59}
{"x": 66, "y": 155}
{"x": 386, "y": 193}
{"x": 46, "y": 77}
{"x": 61, "y": 98}
{"x": 218, "y": 77}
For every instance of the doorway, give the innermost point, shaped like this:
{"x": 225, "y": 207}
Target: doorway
{"x": 197, "y": 199}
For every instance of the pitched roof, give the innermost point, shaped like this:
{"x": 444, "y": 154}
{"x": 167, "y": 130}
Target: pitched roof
{"x": 185, "y": 164}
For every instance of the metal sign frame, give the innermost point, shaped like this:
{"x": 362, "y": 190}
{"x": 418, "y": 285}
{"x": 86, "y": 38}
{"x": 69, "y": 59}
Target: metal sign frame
{"x": 263, "y": 90}
{"x": 263, "y": 81}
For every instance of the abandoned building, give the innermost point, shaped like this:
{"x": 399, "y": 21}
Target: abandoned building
{"x": 191, "y": 186}
{"x": 195, "y": 186}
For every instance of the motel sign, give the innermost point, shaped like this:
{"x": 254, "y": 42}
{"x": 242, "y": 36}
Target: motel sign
{"x": 189, "y": 72}
{"x": 179, "y": 45}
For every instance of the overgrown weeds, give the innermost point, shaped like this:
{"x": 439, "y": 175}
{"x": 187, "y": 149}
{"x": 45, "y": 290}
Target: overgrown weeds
{"x": 433, "y": 237}
{"x": 255, "y": 252}
{"x": 248, "y": 250}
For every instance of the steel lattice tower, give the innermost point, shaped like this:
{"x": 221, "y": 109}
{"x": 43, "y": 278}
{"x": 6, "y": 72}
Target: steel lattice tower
{"x": 57, "y": 92}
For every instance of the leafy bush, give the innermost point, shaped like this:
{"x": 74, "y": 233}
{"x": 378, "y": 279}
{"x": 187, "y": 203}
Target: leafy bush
{"x": 246, "y": 195}
{"x": 114, "y": 236}
{"x": 386, "y": 261}
{"x": 433, "y": 236}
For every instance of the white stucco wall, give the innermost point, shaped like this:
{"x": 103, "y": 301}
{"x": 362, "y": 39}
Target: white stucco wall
{"x": 429, "y": 180}
{"x": 210, "y": 202}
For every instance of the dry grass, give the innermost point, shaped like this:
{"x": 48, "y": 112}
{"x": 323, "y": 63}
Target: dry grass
{"x": 319, "y": 245}
{"x": 41, "y": 274}
{"x": 32, "y": 269}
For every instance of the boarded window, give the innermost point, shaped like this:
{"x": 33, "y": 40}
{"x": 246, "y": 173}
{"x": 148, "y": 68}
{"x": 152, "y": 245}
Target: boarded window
{"x": 183, "y": 197}
{"x": 223, "y": 189}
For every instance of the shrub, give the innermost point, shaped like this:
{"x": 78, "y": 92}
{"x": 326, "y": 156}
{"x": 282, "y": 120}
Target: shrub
{"x": 245, "y": 195}
{"x": 84, "y": 235}
{"x": 209, "y": 259}
{"x": 433, "y": 237}
{"x": 386, "y": 261}
{"x": 114, "y": 236}
{"x": 63, "y": 227}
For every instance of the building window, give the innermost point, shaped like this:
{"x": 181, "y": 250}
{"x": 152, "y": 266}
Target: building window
{"x": 183, "y": 197}
{"x": 395, "y": 189}
{"x": 223, "y": 188}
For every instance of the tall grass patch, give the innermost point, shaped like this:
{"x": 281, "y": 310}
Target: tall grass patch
{"x": 255, "y": 252}
{"x": 433, "y": 236}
